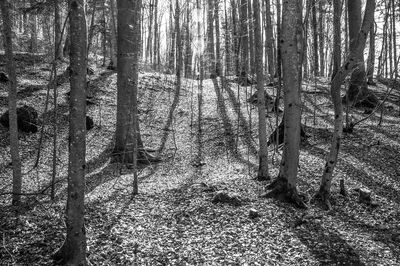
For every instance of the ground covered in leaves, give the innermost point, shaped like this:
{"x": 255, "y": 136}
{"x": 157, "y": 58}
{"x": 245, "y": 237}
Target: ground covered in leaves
{"x": 208, "y": 144}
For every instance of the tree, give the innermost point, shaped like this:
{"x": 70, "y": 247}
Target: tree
{"x": 210, "y": 36}
{"x": 262, "y": 125}
{"x": 358, "y": 89}
{"x": 73, "y": 251}
{"x": 269, "y": 40}
{"x": 349, "y": 65}
{"x": 12, "y": 102}
{"x": 284, "y": 186}
{"x": 57, "y": 31}
{"x": 128, "y": 143}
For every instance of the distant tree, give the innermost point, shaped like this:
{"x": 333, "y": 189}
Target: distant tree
{"x": 285, "y": 184}
{"x": 73, "y": 251}
{"x": 210, "y": 37}
{"x": 371, "y": 56}
{"x": 263, "y": 153}
{"x": 33, "y": 46}
{"x": 269, "y": 41}
{"x": 57, "y": 30}
{"x": 12, "y": 101}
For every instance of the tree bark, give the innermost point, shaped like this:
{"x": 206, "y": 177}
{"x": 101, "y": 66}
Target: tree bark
{"x": 73, "y": 251}
{"x": 269, "y": 41}
{"x": 12, "y": 103}
{"x": 210, "y": 37}
{"x": 128, "y": 143}
{"x": 285, "y": 184}
{"x": 321, "y": 37}
{"x": 315, "y": 37}
{"x": 371, "y": 55}
{"x": 57, "y": 31}
{"x": 358, "y": 45}
{"x": 262, "y": 125}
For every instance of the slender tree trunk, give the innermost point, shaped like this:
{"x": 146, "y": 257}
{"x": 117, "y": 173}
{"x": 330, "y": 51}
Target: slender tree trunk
{"x": 172, "y": 43}
{"x": 210, "y": 37}
{"x": 73, "y": 251}
{"x": 218, "y": 68}
{"x": 371, "y": 55}
{"x": 156, "y": 37}
{"x": 188, "y": 48}
{"x": 148, "y": 57}
{"x": 324, "y": 191}
{"x": 262, "y": 125}
{"x": 91, "y": 27}
{"x": 113, "y": 36}
{"x": 251, "y": 38}
{"x": 315, "y": 37}
{"x": 269, "y": 39}
{"x": 358, "y": 45}
{"x": 33, "y": 47}
{"x": 244, "y": 43}
{"x": 236, "y": 37}
{"x": 12, "y": 103}
{"x": 57, "y": 31}
{"x": 321, "y": 37}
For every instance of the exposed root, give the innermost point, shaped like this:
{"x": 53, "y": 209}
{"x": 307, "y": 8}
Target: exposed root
{"x": 280, "y": 190}
{"x": 324, "y": 198}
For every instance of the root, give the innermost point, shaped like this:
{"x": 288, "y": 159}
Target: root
{"x": 280, "y": 190}
{"x": 324, "y": 198}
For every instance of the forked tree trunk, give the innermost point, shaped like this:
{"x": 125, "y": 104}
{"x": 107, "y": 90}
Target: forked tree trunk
{"x": 12, "y": 103}
{"x": 73, "y": 251}
{"x": 285, "y": 184}
{"x": 350, "y": 64}
{"x": 262, "y": 125}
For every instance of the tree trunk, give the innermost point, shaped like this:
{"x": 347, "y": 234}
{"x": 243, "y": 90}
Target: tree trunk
{"x": 251, "y": 38}
{"x": 371, "y": 56}
{"x": 172, "y": 43}
{"x": 33, "y": 46}
{"x": 113, "y": 37}
{"x": 73, "y": 251}
{"x": 269, "y": 41}
{"x": 244, "y": 58}
{"x": 12, "y": 103}
{"x": 324, "y": 191}
{"x": 321, "y": 38}
{"x": 156, "y": 37}
{"x": 358, "y": 89}
{"x": 188, "y": 48}
{"x": 127, "y": 134}
{"x": 91, "y": 27}
{"x": 262, "y": 125}
{"x": 285, "y": 185}
{"x": 218, "y": 68}
{"x": 57, "y": 31}
{"x": 210, "y": 41}
{"x": 358, "y": 45}
{"x": 315, "y": 37}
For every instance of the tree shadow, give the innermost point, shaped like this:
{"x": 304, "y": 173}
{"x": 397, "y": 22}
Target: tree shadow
{"x": 327, "y": 246}
{"x": 228, "y": 127}
{"x": 243, "y": 124}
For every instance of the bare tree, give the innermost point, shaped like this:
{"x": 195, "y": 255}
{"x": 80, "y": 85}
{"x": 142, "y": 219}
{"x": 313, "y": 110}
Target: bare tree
{"x": 12, "y": 102}
{"x": 349, "y": 65}
{"x": 262, "y": 125}
{"x": 291, "y": 39}
{"x": 73, "y": 251}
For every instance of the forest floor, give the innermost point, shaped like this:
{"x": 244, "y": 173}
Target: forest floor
{"x": 208, "y": 145}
